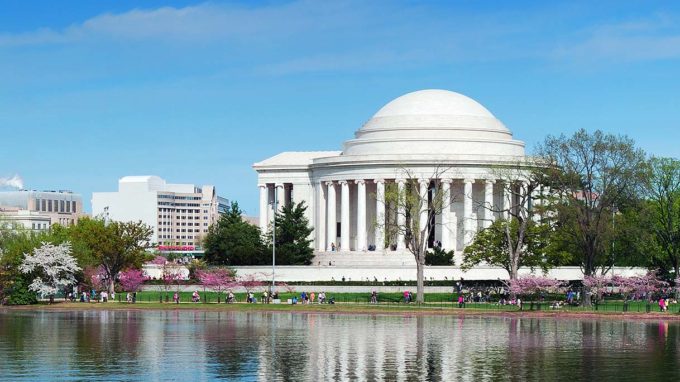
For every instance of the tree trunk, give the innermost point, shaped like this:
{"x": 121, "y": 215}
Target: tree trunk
{"x": 420, "y": 298}
{"x": 111, "y": 285}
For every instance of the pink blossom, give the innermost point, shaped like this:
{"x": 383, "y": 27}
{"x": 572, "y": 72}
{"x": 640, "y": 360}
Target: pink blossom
{"x": 217, "y": 279}
{"x": 131, "y": 279}
{"x": 159, "y": 260}
{"x": 533, "y": 284}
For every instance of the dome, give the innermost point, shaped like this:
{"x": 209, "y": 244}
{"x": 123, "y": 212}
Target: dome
{"x": 434, "y": 122}
{"x": 434, "y": 102}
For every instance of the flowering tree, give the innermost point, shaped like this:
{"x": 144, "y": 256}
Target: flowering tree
{"x": 170, "y": 274}
{"x": 53, "y": 266}
{"x": 639, "y": 286}
{"x": 597, "y": 284}
{"x": 131, "y": 279}
{"x": 251, "y": 282}
{"x": 96, "y": 276}
{"x": 217, "y": 279}
{"x": 530, "y": 285}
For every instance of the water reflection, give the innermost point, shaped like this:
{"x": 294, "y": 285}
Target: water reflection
{"x": 204, "y": 346}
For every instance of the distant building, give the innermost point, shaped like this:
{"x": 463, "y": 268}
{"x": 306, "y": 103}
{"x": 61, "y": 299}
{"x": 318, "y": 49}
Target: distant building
{"x": 12, "y": 217}
{"x": 179, "y": 214}
{"x": 38, "y": 207}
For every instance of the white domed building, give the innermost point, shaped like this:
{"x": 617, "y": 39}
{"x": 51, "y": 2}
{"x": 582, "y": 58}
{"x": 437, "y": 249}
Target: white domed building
{"x": 424, "y": 132}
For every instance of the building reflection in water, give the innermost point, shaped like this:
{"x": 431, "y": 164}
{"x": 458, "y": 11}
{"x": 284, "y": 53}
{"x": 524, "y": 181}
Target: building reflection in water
{"x": 204, "y": 346}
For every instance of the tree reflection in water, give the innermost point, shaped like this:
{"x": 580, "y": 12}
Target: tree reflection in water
{"x": 205, "y": 346}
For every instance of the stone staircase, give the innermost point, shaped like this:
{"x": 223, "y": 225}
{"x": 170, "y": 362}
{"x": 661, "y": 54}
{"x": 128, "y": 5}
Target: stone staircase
{"x": 368, "y": 259}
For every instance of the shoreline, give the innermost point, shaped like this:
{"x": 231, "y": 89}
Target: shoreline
{"x": 344, "y": 309}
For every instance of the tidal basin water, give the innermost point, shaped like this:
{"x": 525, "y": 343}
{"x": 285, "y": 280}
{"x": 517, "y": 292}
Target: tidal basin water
{"x": 207, "y": 346}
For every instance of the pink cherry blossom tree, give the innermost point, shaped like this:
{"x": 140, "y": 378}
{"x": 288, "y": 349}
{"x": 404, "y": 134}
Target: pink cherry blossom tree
{"x": 639, "y": 286}
{"x": 95, "y": 277}
{"x": 531, "y": 285}
{"x": 131, "y": 279}
{"x": 597, "y": 284}
{"x": 217, "y": 279}
{"x": 171, "y": 274}
{"x": 53, "y": 267}
{"x": 252, "y": 282}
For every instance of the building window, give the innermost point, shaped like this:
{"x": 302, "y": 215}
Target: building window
{"x": 61, "y": 206}
{"x": 68, "y": 207}
{"x": 73, "y": 207}
{"x": 49, "y": 206}
{"x": 37, "y": 204}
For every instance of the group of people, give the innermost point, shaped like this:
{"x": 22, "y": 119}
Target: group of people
{"x": 664, "y": 302}
{"x": 93, "y": 296}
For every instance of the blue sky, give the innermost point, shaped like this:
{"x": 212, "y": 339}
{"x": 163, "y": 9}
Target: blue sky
{"x": 196, "y": 92}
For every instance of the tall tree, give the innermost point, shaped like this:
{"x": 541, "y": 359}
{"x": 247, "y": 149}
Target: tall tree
{"x": 593, "y": 174}
{"x": 115, "y": 246}
{"x": 293, "y": 242}
{"x": 519, "y": 234}
{"x": 233, "y": 241}
{"x": 416, "y": 203}
{"x": 663, "y": 187}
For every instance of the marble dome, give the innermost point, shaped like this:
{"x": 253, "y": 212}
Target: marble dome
{"x": 434, "y": 122}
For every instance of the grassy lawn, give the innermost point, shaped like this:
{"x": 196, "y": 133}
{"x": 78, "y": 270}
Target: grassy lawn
{"x": 386, "y": 300}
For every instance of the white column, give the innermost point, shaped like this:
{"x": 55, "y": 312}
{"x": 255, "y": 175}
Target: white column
{"x": 536, "y": 195}
{"x": 401, "y": 215}
{"x": 321, "y": 218}
{"x": 507, "y": 202}
{"x": 422, "y": 226}
{"x": 468, "y": 231}
{"x": 446, "y": 215}
{"x": 380, "y": 214}
{"x": 488, "y": 204}
{"x": 361, "y": 215}
{"x": 279, "y": 196}
{"x": 332, "y": 221}
{"x": 344, "y": 217}
{"x": 263, "y": 208}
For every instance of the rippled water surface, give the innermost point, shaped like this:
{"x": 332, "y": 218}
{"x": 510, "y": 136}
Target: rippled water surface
{"x": 206, "y": 346}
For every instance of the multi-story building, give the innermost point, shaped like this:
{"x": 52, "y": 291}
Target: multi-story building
{"x": 60, "y": 207}
{"x": 13, "y": 217}
{"x": 179, "y": 214}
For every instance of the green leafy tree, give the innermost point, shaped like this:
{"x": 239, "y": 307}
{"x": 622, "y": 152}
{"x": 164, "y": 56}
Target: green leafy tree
{"x": 490, "y": 246}
{"x": 663, "y": 187}
{"x": 233, "y": 241}
{"x": 13, "y": 283}
{"x": 115, "y": 246}
{"x": 593, "y": 175}
{"x": 293, "y": 243}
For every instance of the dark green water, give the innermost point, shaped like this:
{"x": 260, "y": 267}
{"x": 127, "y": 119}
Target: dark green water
{"x": 206, "y": 346}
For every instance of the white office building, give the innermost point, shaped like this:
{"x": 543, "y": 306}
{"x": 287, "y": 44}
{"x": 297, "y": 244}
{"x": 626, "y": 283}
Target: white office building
{"x": 179, "y": 214}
